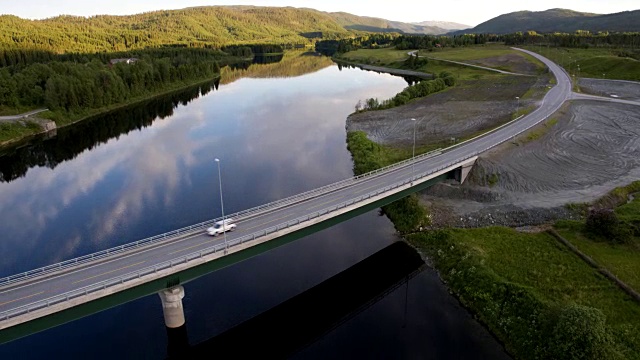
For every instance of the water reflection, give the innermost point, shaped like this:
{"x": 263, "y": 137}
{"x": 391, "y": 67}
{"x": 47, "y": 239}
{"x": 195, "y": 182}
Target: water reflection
{"x": 308, "y": 316}
{"x": 278, "y": 133}
{"x": 85, "y": 135}
{"x": 137, "y": 176}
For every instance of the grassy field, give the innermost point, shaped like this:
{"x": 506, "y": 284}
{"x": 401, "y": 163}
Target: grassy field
{"x": 469, "y": 53}
{"x": 592, "y": 63}
{"x": 515, "y": 283}
{"x": 393, "y": 58}
{"x": 9, "y": 131}
{"x": 622, "y": 260}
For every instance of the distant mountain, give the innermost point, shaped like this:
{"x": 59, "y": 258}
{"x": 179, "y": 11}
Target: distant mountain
{"x": 558, "y": 20}
{"x": 364, "y": 23}
{"x": 215, "y": 26}
{"x": 447, "y": 25}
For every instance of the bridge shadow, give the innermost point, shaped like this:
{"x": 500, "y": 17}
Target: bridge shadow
{"x": 298, "y": 322}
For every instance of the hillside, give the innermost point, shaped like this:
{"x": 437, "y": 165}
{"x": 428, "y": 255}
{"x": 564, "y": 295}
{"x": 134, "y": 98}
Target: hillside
{"x": 558, "y": 20}
{"x": 207, "y": 25}
{"x": 364, "y": 23}
{"x": 213, "y": 25}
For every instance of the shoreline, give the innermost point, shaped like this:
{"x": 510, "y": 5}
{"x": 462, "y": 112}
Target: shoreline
{"x": 8, "y": 143}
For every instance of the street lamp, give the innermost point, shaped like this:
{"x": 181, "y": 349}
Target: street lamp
{"x": 224, "y": 225}
{"x": 413, "y": 155}
{"x": 518, "y": 105}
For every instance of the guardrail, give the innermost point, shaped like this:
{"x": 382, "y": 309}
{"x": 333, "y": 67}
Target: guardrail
{"x": 250, "y": 237}
{"x": 12, "y": 279}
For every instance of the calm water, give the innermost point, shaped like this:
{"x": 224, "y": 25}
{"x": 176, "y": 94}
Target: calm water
{"x": 279, "y": 129}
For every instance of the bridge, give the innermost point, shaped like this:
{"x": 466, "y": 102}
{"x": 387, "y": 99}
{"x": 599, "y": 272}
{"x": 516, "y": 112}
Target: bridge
{"x": 58, "y": 293}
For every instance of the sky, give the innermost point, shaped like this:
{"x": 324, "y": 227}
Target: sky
{"x": 468, "y": 12}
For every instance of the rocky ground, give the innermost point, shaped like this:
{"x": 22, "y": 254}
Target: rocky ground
{"x": 586, "y": 150}
{"x": 593, "y": 148}
{"x": 461, "y": 111}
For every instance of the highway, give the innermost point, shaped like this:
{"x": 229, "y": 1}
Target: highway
{"x": 17, "y": 293}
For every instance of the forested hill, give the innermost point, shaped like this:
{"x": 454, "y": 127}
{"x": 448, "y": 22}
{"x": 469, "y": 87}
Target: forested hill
{"x": 558, "y": 20}
{"x": 215, "y": 26}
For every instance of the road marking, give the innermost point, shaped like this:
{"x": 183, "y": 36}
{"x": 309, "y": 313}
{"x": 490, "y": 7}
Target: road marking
{"x": 253, "y": 227}
{"x": 324, "y": 203}
{"x": 22, "y": 298}
{"x": 193, "y": 246}
{"x": 108, "y": 272}
{"x": 365, "y": 189}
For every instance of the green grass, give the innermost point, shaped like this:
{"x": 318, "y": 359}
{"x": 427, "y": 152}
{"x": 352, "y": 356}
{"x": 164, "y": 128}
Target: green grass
{"x": 593, "y": 63}
{"x": 390, "y": 57}
{"x": 460, "y": 72}
{"x": 463, "y": 54}
{"x": 513, "y": 281}
{"x": 470, "y": 53}
{"x": 11, "y": 131}
{"x": 622, "y": 260}
{"x": 382, "y": 57}
{"x": 369, "y": 156}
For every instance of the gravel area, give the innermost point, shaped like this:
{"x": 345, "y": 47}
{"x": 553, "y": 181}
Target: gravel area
{"x": 593, "y": 148}
{"x": 589, "y": 148}
{"x": 628, "y": 90}
{"x": 461, "y": 111}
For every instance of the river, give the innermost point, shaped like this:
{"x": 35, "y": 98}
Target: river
{"x": 278, "y": 130}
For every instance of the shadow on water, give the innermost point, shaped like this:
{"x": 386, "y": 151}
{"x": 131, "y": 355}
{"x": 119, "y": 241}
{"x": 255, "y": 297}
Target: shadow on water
{"x": 71, "y": 141}
{"x": 308, "y": 316}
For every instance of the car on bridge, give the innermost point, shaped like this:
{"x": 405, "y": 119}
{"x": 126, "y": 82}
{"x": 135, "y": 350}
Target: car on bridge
{"x": 221, "y": 227}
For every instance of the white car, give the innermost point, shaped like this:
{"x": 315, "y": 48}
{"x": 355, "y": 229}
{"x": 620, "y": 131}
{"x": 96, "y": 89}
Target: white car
{"x": 221, "y": 226}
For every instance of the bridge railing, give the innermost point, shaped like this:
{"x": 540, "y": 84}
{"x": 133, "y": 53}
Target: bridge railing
{"x": 119, "y": 280}
{"x": 221, "y": 247}
{"x": 103, "y": 254}
{"x": 71, "y": 263}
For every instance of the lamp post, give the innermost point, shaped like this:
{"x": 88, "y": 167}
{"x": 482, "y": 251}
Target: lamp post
{"x": 413, "y": 155}
{"x": 518, "y": 105}
{"x": 224, "y": 225}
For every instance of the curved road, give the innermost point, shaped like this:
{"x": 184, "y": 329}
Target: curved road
{"x": 32, "y": 290}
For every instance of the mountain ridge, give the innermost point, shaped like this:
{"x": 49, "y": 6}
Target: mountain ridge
{"x": 558, "y": 20}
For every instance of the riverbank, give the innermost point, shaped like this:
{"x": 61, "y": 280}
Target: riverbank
{"x": 16, "y": 133}
{"x": 539, "y": 299}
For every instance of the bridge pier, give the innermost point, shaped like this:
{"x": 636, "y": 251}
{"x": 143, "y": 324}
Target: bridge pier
{"x": 172, "y": 306}
{"x": 461, "y": 173}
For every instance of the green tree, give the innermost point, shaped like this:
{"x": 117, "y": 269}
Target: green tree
{"x": 580, "y": 333}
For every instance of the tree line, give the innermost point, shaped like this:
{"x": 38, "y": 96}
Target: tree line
{"x": 249, "y": 51}
{"x": 73, "y": 140}
{"x": 72, "y": 82}
{"x": 373, "y": 41}
{"x": 579, "y": 39}
{"x": 420, "y": 89}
